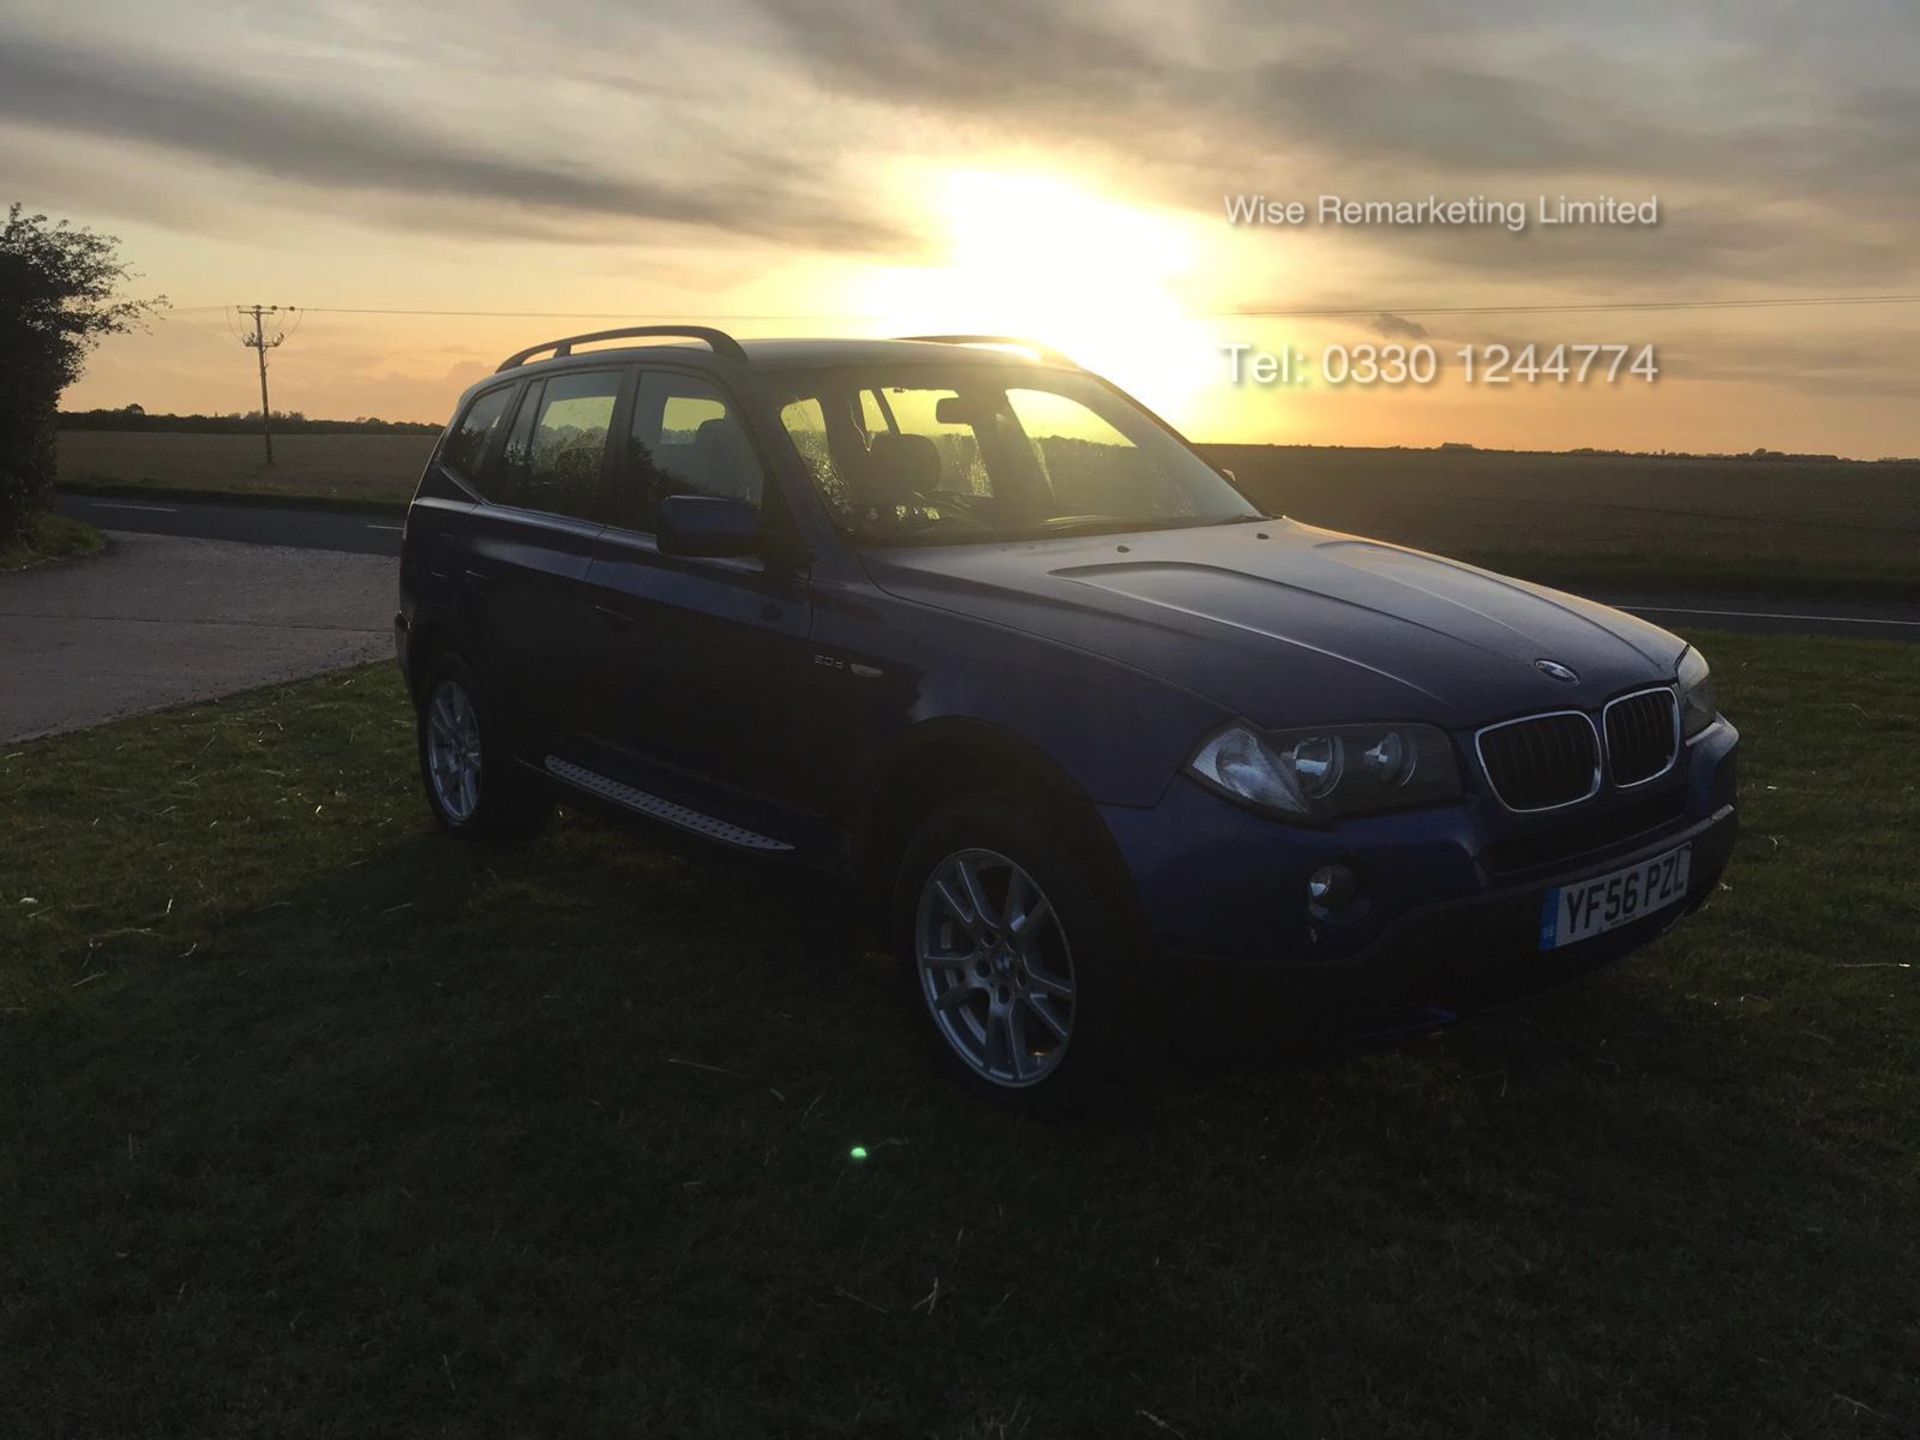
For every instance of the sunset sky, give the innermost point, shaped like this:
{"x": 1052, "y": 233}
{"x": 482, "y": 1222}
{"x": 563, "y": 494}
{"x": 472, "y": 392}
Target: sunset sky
{"x": 1059, "y": 170}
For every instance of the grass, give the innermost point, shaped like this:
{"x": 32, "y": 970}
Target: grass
{"x": 155, "y": 490}
{"x": 319, "y": 1124}
{"x": 1583, "y": 521}
{"x": 51, "y": 537}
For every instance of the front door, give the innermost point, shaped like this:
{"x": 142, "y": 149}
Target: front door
{"x": 700, "y": 660}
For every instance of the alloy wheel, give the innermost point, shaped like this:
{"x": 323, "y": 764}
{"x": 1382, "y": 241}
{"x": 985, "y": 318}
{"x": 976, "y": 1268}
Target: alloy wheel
{"x": 994, "y": 967}
{"x": 453, "y": 750}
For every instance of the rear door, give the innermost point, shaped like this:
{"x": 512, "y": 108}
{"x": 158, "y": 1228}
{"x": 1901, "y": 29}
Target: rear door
{"x": 525, "y": 565}
{"x": 700, "y": 659}
{"x": 433, "y": 549}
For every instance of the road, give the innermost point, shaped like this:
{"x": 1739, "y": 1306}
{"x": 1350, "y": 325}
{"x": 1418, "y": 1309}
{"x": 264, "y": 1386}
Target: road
{"x": 163, "y": 619}
{"x": 374, "y": 534}
{"x": 304, "y": 529}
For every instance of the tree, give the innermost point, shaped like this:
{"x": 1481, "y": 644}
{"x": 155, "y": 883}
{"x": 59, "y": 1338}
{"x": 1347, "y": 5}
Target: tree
{"x": 59, "y": 296}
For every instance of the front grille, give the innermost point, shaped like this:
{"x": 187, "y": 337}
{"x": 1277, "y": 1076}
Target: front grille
{"x": 1543, "y": 761}
{"x": 1643, "y": 736}
{"x": 1583, "y": 833}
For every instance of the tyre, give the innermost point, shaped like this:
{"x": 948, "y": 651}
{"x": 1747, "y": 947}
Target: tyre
{"x": 474, "y": 787}
{"x": 1022, "y": 967}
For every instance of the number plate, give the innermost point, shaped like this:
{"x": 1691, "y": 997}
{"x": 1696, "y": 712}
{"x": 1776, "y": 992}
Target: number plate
{"x": 1578, "y": 912}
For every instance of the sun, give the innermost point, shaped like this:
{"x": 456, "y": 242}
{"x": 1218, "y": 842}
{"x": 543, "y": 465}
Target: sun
{"x": 1038, "y": 256}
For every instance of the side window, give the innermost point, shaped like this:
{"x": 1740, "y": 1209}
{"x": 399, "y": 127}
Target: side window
{"x": 557, "y": 449}
{"x": 466, "y": 447}
{"x": 685, "y": 440}
{"x": 805, "y": 420}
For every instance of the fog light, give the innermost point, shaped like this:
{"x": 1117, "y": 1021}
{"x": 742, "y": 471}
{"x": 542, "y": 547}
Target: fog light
{"x": 1333, "y": 887}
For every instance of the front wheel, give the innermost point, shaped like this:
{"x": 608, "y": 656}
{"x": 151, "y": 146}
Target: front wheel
{"x": 473, "y": 786}
{"x": 1021, "y": 970}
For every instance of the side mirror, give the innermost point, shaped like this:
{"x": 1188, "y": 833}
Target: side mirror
{"x": 708, "y": 525}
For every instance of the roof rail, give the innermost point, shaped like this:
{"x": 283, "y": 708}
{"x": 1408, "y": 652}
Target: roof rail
{"x": 721, "y": 342}
{"x": 1045, "y": 352}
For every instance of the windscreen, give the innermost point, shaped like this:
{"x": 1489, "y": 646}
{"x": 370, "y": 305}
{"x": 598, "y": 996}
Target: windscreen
{"x": 927, "y": 455}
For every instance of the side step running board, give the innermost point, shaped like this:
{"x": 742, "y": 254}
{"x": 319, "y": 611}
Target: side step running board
{"x": 652, "y": 806}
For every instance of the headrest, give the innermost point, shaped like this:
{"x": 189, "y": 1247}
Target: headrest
{"x": 720, "y": 437}
{"x": 724, "y": 460}
{"x": 901, "y": 466}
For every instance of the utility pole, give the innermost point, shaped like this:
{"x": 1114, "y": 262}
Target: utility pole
{"x": 262, "y": 342}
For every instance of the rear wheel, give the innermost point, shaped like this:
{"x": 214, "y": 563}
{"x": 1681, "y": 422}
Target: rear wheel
{"x": 1021, "y": 972}
{"x": 474, "y": 788}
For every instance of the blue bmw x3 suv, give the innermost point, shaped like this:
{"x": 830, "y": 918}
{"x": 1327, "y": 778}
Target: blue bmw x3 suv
{"x": 962, "y": 624}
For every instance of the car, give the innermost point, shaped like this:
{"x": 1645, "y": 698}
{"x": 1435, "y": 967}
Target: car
{"x": 958, "y": 626}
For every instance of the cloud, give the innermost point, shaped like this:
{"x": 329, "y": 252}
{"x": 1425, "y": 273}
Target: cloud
{"x": 1846, "y": 364}
{"x": 986, "y": 58}
{"x": 1238, "y": 81}
{"x": 1393, "y": 327}
{"x": 1785, "y": 146}
{"x": 1779, "y": 158}
{"x": 1786, "y": 153}
{"x": 341, "y": 147}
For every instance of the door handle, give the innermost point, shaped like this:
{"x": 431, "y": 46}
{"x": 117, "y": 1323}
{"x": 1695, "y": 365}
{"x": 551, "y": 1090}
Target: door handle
{"x": 477, "y": 580}
{"x": 618, "y": 616}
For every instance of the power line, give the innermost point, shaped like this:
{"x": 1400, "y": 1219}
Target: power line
{"x": 1242, "y": 312}
{"x": 539, "y": 314}
{"x": 1785, "y": 302}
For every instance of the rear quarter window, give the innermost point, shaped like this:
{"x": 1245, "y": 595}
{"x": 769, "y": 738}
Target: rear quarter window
{"x": 555, "y": 454}
{"x": 466, "y": 447}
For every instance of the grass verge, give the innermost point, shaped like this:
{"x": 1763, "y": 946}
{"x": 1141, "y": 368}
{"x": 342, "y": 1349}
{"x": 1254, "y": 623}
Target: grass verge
{"x": 1620, "y": 573}
{"x": 319, "y": 1123}
{"x": 51, "y": 537}
{"x": 394, "y": 504}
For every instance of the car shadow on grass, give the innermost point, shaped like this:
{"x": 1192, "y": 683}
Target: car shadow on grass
{"x": 561, "y": 1139}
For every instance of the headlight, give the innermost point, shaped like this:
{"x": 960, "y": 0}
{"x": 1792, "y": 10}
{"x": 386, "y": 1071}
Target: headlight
{"x": 1330, "y": 771}
{"x": 1697, "y": 707}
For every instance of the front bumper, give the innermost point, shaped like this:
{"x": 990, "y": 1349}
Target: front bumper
{"x": 1450, "y": 908}
{"x": 1482, "y": 951}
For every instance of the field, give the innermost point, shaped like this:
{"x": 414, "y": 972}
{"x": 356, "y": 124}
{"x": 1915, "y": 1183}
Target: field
{"x": 1765, "y": 525}
{"x": 372, "y": 469}
{"x": 1770, "y": 526}
{"x": 320, "y": 1124}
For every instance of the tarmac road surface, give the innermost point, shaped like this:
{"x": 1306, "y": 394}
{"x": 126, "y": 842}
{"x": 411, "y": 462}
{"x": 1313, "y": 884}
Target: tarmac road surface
{"x": 299, "y": 526}
{"x": 163, "y": 619}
